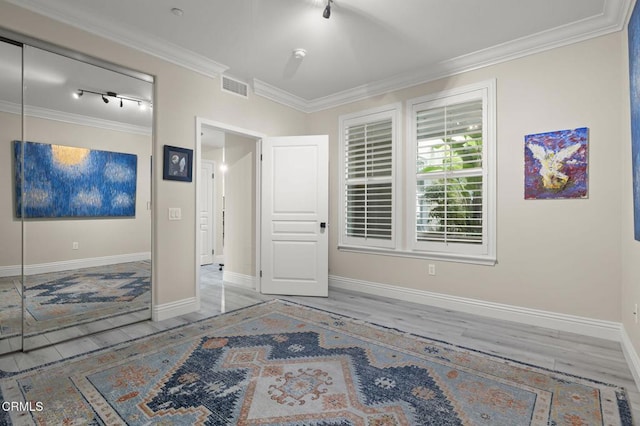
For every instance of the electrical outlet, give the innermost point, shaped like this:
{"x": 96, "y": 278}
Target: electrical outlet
{"x": 635, "y": 313}
{"x": 74, "y": 246}
{"x": 432, "y": 269}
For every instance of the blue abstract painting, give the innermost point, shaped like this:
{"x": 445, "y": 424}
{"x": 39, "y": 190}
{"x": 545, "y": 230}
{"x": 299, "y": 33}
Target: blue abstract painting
{"x": 634, "y": 79}
{"x": 64, "y": 181}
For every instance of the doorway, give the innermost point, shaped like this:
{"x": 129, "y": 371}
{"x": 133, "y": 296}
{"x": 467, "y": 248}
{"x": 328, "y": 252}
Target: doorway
{"x": 236, "y": 218}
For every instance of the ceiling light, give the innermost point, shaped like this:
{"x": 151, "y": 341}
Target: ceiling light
{"x": 299, "y": 53}
{"x": 143, "y": 104}
{"x": 177, "y": 11}
{"x": 327, "y": 10}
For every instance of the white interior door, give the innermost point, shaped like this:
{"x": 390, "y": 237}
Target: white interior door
{"x": 294, "y": 234}
{"x": 206, "y": 212}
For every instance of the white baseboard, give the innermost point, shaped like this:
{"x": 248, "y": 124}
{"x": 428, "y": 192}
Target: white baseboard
{"x": 241, "y": 280}
{"x": 630, "y": 354}
{"x": 608, "y": 330}
{"x": 174, "y": 309}
{"x": 65, "y": 265}
{"x": 10, "y": 271}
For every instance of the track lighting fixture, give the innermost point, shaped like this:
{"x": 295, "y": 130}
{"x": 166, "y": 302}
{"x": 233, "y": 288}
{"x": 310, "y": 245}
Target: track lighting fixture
{"x": 143, "y": 104}
{"x": 327, "y": 10}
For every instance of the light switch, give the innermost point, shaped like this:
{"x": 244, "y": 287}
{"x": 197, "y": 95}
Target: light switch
{"x": 175, "y": 213}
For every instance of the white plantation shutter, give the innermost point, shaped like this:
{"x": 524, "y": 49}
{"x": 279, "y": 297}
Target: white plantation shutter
{"x": 368, "y": 197}
{"x": 449, "y": 173}
{"x": 431, "y": 195}
{"x": 452, "y": 155}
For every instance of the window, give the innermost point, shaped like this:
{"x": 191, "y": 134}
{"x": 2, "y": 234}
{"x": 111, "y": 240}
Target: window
{"x": 452, "y": 149}
{"x": 431, "y": 195}
{"x": 368, "y": 144}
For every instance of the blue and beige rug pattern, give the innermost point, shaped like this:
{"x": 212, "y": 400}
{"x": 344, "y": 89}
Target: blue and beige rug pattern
{"x": 279, "y": 363}
{"x": 62, "y": 299}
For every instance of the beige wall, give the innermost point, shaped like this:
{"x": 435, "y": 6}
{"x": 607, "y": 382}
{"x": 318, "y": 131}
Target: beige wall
{"x": 181, "y": 95}
{"x": 561, "y": 256}
{"x": 10, "y": 227}
{"x": 240, "y": 205}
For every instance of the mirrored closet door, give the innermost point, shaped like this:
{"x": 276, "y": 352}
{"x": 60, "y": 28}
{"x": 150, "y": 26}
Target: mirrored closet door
{"x": 80, "y": 186}
{"x": 10, "y": 223}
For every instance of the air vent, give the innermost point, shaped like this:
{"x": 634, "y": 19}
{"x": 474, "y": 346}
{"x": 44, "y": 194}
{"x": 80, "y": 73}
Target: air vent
{"x": 234, "y": 86}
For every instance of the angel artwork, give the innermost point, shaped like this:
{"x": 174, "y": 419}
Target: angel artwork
{"x": 556, "y": 164}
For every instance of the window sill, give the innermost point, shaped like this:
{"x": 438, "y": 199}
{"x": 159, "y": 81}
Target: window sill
{"x": 446, "y": 257}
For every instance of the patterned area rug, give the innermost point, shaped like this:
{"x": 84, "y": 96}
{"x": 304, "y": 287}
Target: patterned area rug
{"x": 10, "y": 308}
{"x": 279, "y": 363}
{"x": 60, "y": 299}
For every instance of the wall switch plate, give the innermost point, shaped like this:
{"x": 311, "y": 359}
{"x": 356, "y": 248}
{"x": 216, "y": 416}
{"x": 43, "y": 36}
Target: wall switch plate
{"x": 175, "y": 213}
{"x": 74, "y": 246}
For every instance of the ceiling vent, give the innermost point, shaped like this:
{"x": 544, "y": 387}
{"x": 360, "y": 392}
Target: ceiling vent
{"x": 236, "y": 87}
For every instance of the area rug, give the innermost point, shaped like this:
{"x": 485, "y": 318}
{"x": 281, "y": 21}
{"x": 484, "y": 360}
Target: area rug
{"x": 280, "y": 363}
{"x": 70, "y": 293}
{"x": 10, "y": 308}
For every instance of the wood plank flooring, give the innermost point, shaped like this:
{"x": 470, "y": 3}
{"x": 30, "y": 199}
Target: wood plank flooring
{"x": 584, "y": 356}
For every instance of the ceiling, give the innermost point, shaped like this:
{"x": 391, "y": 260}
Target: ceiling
{"x": 365, "y": 48}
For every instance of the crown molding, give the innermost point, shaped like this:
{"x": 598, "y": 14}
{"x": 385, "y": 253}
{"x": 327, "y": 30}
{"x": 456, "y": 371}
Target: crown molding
{"x": 66, "y": 117}
{"x": 275, "y": 94}
{"x": 93, "y": 24}
{"x": 613, "y": 18}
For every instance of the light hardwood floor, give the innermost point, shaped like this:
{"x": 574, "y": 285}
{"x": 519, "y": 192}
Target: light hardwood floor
{"x": 583, "y": 356}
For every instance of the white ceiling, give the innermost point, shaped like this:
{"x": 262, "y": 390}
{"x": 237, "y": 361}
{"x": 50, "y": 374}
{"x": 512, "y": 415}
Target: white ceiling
{"x": 366, "y": 47}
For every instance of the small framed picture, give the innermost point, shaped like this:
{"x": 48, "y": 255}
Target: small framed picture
{"x": 178, "y": 163}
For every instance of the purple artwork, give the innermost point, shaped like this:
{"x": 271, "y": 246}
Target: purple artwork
{"x": 555, "y": 164}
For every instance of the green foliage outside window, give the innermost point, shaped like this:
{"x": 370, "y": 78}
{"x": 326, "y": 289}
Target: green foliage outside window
{"x": 450, "y": 208}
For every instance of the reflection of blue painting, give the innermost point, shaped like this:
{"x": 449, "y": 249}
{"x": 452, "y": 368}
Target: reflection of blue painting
{"x": 63, "y": 181}
{"x": 634, "y": 78}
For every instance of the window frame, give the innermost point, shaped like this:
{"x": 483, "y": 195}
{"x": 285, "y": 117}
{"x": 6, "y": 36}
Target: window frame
{"x": 404, "y": 181}
{"x": 369, "y": 116}
{"x": 484, "y": 253}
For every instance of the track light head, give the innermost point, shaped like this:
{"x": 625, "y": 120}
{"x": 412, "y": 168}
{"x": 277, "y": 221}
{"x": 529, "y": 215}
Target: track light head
{"x": 78, "y": 93}
{"x": 120, "y": 102}
{"x": 327, "y": 10}
{"x": 105, "y": 100}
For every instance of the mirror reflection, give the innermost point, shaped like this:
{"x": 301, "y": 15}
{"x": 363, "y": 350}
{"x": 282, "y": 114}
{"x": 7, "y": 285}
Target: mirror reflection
{"x": 10, "y": 225}
{"x": 85, "y": 198}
